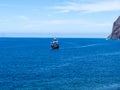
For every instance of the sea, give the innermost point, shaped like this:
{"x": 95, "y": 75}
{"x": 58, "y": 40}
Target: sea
{"x": 79, "y": 64}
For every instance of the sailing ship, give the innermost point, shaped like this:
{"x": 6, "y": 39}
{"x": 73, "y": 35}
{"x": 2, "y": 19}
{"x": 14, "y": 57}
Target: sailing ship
{"x": 54, "y": 44}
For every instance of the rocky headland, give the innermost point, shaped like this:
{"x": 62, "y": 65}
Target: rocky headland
{"x": 115, "y": 30}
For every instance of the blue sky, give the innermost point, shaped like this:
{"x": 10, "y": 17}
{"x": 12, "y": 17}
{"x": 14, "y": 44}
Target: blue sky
{"x": 64, "y": 18}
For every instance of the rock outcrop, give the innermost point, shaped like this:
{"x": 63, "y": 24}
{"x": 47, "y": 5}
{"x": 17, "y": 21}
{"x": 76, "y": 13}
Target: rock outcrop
{"x": 116, "y": 30}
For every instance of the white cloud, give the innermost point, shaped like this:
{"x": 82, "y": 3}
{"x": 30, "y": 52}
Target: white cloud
{"x": 54, "y": 25}
{"x": 108, "y": 5}
{"x": 37, "y": 24}
{"x": 80, "y": 23}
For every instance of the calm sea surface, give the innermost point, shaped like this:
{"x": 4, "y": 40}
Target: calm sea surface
{"x": 79, "y": 64}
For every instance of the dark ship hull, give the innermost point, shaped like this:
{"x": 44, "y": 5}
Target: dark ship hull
{"x": 55, "y": 46}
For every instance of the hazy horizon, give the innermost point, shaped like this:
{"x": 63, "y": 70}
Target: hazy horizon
{"x": 58, "y": 35}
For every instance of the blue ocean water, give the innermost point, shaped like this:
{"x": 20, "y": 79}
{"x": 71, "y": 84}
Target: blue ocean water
{"x": 79, "y": 64}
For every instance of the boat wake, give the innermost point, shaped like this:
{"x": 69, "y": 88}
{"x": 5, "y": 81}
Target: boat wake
{"x": 85, "y": 46}
{"x": 90, "y": 45}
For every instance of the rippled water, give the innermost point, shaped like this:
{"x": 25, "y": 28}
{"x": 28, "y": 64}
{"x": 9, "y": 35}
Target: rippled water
{"x": 79, "y": 64}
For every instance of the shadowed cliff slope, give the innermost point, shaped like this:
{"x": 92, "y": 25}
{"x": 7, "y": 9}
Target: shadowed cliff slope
{"x": 116, "y": 30}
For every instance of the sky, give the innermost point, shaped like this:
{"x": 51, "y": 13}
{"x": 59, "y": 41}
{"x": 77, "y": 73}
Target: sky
{"x": 60, "y": 18}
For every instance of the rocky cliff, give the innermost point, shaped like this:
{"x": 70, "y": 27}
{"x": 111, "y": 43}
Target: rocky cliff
{"x": 115, "y": 30}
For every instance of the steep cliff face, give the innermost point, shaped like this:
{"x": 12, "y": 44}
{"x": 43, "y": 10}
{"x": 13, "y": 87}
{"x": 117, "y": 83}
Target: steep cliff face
{"x": 116, "y": 30}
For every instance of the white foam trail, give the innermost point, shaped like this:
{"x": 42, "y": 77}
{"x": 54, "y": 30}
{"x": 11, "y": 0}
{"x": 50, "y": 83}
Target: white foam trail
{"x": 89, "y": 45}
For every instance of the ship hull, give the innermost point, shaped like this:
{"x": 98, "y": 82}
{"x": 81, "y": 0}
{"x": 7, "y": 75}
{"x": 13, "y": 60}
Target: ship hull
{"x": 55, "y": 46}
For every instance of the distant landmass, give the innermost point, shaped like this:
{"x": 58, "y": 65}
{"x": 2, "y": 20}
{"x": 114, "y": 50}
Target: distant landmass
{"x": 116, "y": 30}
